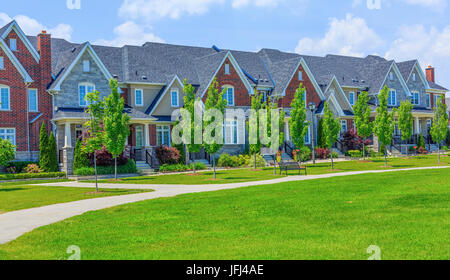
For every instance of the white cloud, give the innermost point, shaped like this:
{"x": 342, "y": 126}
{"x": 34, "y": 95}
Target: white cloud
{"x": 31, "y": 26}
{"x": 434, "y": 4}
{"x": 431, "y": 47}
{"x": 349, "y": 36}
{"x": 129, "y": 33}
{"x": 257, "y": 3}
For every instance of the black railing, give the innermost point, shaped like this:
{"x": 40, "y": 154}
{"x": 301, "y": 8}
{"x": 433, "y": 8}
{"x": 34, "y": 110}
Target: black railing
{"x": 288, "y": 149}
{"x": 151, "y": 160}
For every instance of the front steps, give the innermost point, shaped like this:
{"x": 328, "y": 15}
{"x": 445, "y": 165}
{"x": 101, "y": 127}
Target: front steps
{"x": 144, "y": 168}
{"x": 205, "y": 162}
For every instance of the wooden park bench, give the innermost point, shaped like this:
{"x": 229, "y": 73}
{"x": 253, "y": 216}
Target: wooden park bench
{"x": 291, "y": 165}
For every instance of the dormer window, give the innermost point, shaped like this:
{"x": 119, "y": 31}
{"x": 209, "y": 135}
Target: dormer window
{"x": 174, "y": 97}
{"x": 86, "y": 66}
{"x": 414, "y": 77}
{"x": 139, "y": 97}
{"x": 351, "y": 98}
{"x": 13, "y": 44}
{"x": 300, "y": 76}
{"x": 391, "y": 76}
{"x": 2, "y": 63}
{"x": 227, "y": 69}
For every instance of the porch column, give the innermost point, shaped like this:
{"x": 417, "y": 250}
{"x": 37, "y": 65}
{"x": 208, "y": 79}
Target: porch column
{"x": 68, "y": 150}
{"x": 147, "y": 135}
{"x": 67, "y": 136}
{"x": 417, "y": 126}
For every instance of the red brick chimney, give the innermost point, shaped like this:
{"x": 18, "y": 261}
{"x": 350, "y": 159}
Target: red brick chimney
{"x": 430, "y": 74}
{"x": 44, "y": 46}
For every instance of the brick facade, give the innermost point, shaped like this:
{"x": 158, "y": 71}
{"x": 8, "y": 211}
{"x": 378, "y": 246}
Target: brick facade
{"x": 311, "y": 94}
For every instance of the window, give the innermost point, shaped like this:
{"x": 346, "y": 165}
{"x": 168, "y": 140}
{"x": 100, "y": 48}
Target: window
{"x": 8, "y": 134}
{"x": 391, "y": 76}
{"x": 163, "y": 135}
{"x": 174, "y": 97}
{"x": 2, "y": 63}
{"x": 429, "y": 123}
{"x": 306, "y": 99}
{"x": 415, "y": 98}
{"x": 436, "y": 98}
{"x": 300, "y": 75}
{"x": 83, "y": 90}
{"x": 308, "y": 136}
{"x": 351, "y": 98}
{"x": 227, "y": 69}
{"x": 229, "y": 95}
{"x": 78, "y": 131}
{"x": 414, "y": 77}
{"x": 428, "y": 100}
{"x": 13, "y": 44}
{"x": 32, "y": 100}
{"x": 139, "y": 137}
{"x": 392, "y": 99}
{"x": 138, "y": 97}
{"x": 86, "y": 66}
{"x": 4, "y": 98}
{"x": 230, "y": 133}
{"x": 344, "y": 127}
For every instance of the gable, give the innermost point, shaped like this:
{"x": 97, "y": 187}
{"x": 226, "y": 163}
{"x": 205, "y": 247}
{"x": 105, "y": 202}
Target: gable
{"x": 339, "y": 95}
{"x": 398, "y": 83}
{"x": 9, "y": 56}
{"x": 10, "y": 73}
{"x": 15, "y": 30}
{"x": 163, "y": 106}
{"x": 420, "y": 82}
{"x": 23, "y": 54}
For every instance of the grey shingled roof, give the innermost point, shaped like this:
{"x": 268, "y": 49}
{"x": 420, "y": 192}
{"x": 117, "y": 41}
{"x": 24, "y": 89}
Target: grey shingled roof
{"x": 406, "y": 68}
{"x": 4, "y": 28}
{"x": 80, "y": 113}
{"x": 436, "y": 86}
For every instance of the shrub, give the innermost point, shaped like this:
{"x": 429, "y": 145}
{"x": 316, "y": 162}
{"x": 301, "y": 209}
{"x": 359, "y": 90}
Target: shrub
{"x": 445, "y": 148}
{"x": 19, "y": 166}
{"x": 80, "y": 159}
{"x": 448, "y": 137}
{"x": 128, "y": 168}
{"x": 226, "y": 160}
{"x": 335, "y": 155}
{"x": 352, "y": 141}
{"x": 305, "y": 154}
{"x": 173, "y": 168}
{"x": 355, "y": 153}
{"x": 52, "y": 154}
{"x": 44, "y": 155}
{"x": 105, "y": 158}
{"x": 243, "y": 160}
{"x": 32, "y": 168}
{"x": 421, "y": 142}
{"x": 322, "y": 153}
{"x": 198, "y": 166}
{"x": 260, "y": 162}
{"x": 7, "y": 152}
{"x": 182, "y": 151}
{"x": 422, "y": 151}
{"x": 32, "y": 175}
{"x": 166, "y": 155}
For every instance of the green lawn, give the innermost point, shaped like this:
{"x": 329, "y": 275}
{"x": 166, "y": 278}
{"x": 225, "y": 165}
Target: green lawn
{"x": 406, "y": 214}
{"x": 248, "y": 175}
{"x": 23, "y": 195}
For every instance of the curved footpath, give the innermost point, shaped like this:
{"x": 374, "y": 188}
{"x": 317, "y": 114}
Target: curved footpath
{"x": 17, "y": 223}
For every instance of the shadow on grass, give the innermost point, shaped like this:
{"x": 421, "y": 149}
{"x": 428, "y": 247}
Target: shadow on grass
{"x": 12, "y": 189}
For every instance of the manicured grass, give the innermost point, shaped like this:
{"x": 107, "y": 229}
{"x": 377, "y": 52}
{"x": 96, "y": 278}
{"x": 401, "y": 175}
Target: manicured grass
{"x": 406, "y": 214}
{"x": 23, "y": 195}
{"x": 248, "y": 175}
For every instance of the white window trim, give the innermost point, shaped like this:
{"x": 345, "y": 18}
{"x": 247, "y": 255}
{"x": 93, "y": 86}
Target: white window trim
{"x": 391, "y": 76}
{"x": 10, "y": 44}
{"x": 142, "y": 97}
{"x": 37, "y": 101}
{"x": 171, "y": 98}
{"x": 418, "y": 97}
{"x": 300, "y": 76}
{"x": 429, "y": 101}
{"x": 9, "y": 98}
{"x": 350, "y": 99}
{"x": 14, "y": 129}
{"x": 309, "y": 136}
{"x": 86, "y": 85}
{"x": 231, "y": 124}
{"x": 2, "y": 65}
{"x": 414, "y": 77}
{"x": 344, "y": 125}
{"x": 227, "y": 69}
{"x": 161, "y": 129}
{"x": 394, "y": 92}
{"x": 86, "y": 66}
{"x": 228, "y": 87}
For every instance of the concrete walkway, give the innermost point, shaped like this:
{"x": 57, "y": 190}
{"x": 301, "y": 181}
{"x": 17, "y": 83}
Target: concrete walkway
{"x": 17, "y": 223}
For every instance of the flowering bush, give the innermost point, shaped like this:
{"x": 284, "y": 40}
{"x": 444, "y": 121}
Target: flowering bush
{"x": 167, "y": 155}
{"x": 352, "y": 141}
{"x": 32, "y": 169}
{"x": 323, "y": 153}
{"x": 105, "y": 158}
{"x": 422, "y": 151}
{"x": 279, "y": 156}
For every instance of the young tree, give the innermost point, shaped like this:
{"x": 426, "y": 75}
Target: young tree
{"x": 94, "y": 138}
{"x": 384, "y": 121}
{"x": 440, "y": 124}
{"x": 254, "y": 137}
{"x": 116, "y": 123}
{"x": 53, "y": 157}
{"x": 331, "y": 129}
{"x": 190, "y": 99}
{"x": 215, "y": 104}
{"x": 320, "y": 137}
{"x": 363, "y": 124}
{"x": 273, "y": 105}
{"x": 298, "y": 124}
{"x": 44, "y": 159}
{"x": 80, "y": 159}
{"x": 405, "y": 121}
{"x": 7, "y": 152}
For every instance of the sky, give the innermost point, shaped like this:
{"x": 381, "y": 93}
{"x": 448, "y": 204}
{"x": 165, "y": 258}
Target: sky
{"x": 394, "y": 29}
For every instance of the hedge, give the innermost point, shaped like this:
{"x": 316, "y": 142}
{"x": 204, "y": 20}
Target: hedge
{"x": 128, "y": 168}
{"x": 32, "y": 175}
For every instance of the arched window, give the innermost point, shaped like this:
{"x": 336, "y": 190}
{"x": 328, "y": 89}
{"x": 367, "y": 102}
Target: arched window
{"x": 229, "y": 95}
{"x": 83, "y": 90}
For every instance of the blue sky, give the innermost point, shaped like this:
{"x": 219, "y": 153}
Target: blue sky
{"x": 400, "y": 30}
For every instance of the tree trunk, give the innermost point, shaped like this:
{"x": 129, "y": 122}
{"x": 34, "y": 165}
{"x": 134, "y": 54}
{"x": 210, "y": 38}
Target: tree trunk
{"x": 255, "y": 162}
{"x": 439, "y": 153}
{"x": 115, "y": 167}
{"x": 385, "y": 156}
{"x": 214, "y": 165}
{"x": 364, "y": 149}
{"x": 275, "y": 165}
{"x": 193, "y": 156}
{"x": 95, "y": 168}
{"x": 332, "y": 163}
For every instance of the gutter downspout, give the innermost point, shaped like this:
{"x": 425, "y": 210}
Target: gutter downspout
{"x": 27, "y": 84}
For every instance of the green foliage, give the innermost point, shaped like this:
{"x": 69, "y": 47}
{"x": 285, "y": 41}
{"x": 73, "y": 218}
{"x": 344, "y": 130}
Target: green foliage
{"x": 384, "y": 121}
{"x": 362, "y": 115}
{"x": 173, "y": 168}
{"x": 355, "y": 153}
{"x": 440, "y": 121}
{"x": 115, "y": 121}
{"x": 305, "y": 154}
{"x": 7, "y": 152}
{"x": 405, "y": 120}
{"x": 331, "y": 127}
{"x": 214, "y": 100}
{"x": 32, "y": 168}
{"x": 128, "y": 168}
{"x": 189, "y": 104}
{"x": 254, "y": 137}
{"x": 260, "y": 162}
{"x": 273, "y": 105}
{"x": 53, "y": 155}
{"x": 198, "y": 166}
{"x": 226, "y": 160}
{"x": 421, "y": 142}
{"x": 32, "y": 175}
{"x": 80, "y": 157}
{"x": 298, "y": 123}
{"x": 182, "y": 152}
{"x": 448, "y": 137}
{"x": 44, "y": 155}
{"x": 19, "y": 166}
{"x": 320, "y": 137}
{"x": 94, "y": 140}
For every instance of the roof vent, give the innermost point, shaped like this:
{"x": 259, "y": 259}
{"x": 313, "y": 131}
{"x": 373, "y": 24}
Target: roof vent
{"x": 144, "y": 77}
{"x": 214, "y": 47}
{"x": 115, "y": 76}
{"x": 73, "y": 50}
{"x": 362, "y": 81}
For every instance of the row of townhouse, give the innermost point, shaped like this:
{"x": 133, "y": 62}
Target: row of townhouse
{"x": 44, "y": 79}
